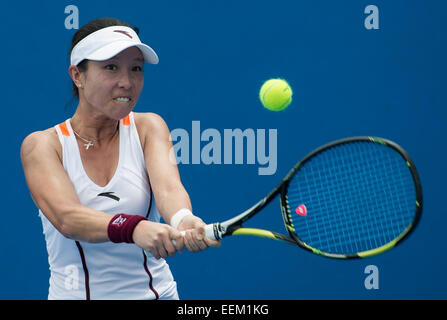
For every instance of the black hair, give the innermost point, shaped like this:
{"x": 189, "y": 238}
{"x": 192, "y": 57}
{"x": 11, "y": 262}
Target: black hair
{"x": 89, "y": 28}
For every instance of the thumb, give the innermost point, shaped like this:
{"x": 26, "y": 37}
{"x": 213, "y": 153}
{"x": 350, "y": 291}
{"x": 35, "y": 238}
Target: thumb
{"x": 199, "y": 228}
{"x": 178, "y": 239}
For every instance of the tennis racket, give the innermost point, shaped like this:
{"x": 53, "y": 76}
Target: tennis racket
{"x": 352, "y": 198}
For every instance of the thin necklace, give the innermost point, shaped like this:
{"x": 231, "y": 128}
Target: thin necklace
{"x": 91, "y": 142}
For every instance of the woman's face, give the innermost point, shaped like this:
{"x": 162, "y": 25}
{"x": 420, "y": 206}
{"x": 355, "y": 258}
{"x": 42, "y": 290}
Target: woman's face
{"x": 112, "y": 87}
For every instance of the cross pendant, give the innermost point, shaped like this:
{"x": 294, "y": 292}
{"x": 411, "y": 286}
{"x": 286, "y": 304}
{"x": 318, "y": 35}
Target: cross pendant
{"x": 88, "y": 145}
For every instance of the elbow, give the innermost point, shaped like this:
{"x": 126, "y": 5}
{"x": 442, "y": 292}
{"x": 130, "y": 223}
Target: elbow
{"x": 66, "y": 230}
{"x": 66, "y": 223}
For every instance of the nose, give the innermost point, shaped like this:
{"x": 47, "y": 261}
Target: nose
{"x": 125, "y": 80}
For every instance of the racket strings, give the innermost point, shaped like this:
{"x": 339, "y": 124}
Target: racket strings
{"x": 359, "y": 196}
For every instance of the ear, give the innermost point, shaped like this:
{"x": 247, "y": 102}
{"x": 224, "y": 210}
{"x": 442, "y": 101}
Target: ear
{"x": 75, "y": 75}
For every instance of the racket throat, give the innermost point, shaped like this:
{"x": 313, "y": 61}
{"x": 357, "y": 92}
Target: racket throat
{"x": 218, "y": 230}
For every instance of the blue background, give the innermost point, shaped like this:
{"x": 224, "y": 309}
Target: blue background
{"x": 214, "y": 56}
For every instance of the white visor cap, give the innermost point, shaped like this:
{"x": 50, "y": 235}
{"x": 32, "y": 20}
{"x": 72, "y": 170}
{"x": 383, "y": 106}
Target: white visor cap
{"x": 108, "y": 42}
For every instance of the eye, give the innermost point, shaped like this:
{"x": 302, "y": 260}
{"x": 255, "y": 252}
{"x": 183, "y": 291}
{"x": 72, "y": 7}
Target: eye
{"x": 137, "y": 68}
{"x": 111, "y": 67}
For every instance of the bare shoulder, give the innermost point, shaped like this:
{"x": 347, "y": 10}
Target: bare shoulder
{"x": 151, "y": 125}
{"x": 149, "y": 121}
{"x": 40, "y": 142}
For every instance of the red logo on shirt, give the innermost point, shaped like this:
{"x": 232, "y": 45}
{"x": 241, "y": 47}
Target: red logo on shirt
{"x": 123, "y": 32}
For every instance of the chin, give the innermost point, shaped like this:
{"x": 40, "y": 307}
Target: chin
{"x": 120, "y": 114}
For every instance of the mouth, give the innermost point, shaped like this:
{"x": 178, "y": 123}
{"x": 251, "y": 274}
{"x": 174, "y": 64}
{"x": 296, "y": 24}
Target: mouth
{"x": 122, "y": 99}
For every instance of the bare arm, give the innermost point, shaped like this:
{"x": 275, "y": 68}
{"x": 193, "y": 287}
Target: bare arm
{"x": 53, "y": 192}
{"x": 170, "y": 194}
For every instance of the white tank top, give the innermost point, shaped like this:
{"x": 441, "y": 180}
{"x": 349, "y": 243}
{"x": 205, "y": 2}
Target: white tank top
{"x": 82, "y": 270}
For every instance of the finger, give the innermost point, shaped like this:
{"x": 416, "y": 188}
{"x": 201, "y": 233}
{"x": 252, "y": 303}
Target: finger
{"x": 199, "y": 235}
{"x": 168, "y": 247}
{"x": 179, "y": 242}
{"x": 163, "y": 252}
{"x": 213, "y": 243}
{"x": 202, "y": 244}
{"x": 159, "y": 245}
{"x": 190, "y": 243}
{"x": 199, "y": 230}
{"x": 155, "y": 253}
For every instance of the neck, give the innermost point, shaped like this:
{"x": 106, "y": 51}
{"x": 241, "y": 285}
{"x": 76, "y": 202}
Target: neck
{"x": 93, "y": 126}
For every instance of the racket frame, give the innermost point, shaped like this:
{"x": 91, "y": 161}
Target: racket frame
{"x": 234, "y": 226}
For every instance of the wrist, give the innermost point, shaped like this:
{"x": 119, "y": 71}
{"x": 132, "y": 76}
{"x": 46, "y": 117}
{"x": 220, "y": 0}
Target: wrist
{"x": 178, "y": 217}
{"x": 122, "y": 226}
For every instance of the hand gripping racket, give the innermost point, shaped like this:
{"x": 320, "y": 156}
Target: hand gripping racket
{"x": 355, "y": 197}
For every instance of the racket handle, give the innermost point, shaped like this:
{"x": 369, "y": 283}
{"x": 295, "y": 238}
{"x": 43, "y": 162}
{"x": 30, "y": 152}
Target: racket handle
{"x": 209, "y": 232}
{"x": 213, "y": 231}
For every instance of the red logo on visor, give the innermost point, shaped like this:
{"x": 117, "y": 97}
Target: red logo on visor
{"x": 123, "y": 32}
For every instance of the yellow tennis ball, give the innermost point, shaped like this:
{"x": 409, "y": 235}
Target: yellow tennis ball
{"x": 275, "y": 94}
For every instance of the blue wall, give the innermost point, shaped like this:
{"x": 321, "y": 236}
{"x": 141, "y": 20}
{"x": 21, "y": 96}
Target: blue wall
{"x": 214, "y": 56}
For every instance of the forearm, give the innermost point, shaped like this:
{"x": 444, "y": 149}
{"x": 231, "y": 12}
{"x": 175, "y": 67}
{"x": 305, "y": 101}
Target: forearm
{"x": 171, "y": 201}
{"x": 85, "y": 224}
{"x": 96, "y": 226}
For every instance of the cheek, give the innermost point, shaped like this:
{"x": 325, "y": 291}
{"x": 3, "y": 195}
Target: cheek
{"x": 96, "y": 91}
{"x": 94, "y": 96}
{"x": 139, "y": 83}
{"x": 138, "y": 86}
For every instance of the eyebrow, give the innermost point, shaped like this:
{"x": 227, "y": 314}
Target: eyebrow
{"x": 135, "y": 59}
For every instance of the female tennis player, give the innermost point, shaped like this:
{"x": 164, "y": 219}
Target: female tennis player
{"x": 103, "y": 179}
